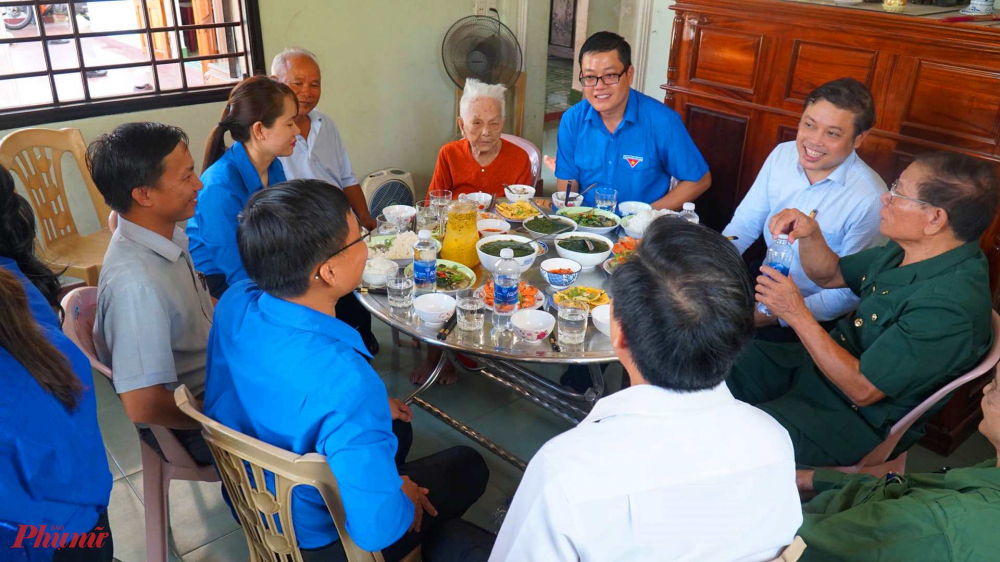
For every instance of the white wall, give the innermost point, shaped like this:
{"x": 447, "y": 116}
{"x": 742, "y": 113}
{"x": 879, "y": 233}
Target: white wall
{"x": 661, "y": 28}
{"x": 383, "y": 80}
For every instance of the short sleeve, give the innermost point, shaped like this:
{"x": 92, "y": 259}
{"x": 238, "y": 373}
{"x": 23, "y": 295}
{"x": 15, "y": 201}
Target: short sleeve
{"x": 217, "y": 226}
{"x": 677, "y": 149}
{"x": 566, "y": 147}
{"x": 136, "y": 331}
{"x": 927, "y": 341}
{"x": 856, "y": 266}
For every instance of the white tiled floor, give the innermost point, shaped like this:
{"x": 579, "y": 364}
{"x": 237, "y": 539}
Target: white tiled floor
{"x": 203, "y": 530}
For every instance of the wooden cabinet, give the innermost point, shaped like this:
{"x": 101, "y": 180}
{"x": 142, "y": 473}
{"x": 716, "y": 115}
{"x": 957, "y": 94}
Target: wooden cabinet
{"x": 740, "y": 71}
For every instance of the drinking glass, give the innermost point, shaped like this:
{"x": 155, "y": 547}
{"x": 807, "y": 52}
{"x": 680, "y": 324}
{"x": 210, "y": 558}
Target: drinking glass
{"x": 606, "y": 198}
{"x": 471, "y": 309}
{"x": 572, "y": 323}
{"x": 385, "y": 226}
{"x": 440, "y": 198}
{"x": 427, "y": 216}
{"x": 400, "y": 288}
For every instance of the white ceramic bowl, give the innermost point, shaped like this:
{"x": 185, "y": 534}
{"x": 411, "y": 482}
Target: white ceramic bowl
{"x": 559, "y": 200}
{"x": 377, "y": 280}
{"x": 489, "y": 262}
{"x": 626, "y": 208}
{"x": 532, "y": 325}
{"x": 518, "y": 192}
{"x": 628, "y": 231}
{"x": 587, "y": 261}
{"x": 593, "y": 229}
{"x": 601, "y": 315}
{"x": 559, "y": 281}
{"x": 535, "y": 234}
{"x": 480, "y": 198}
{"x": 494, "y": 224}
{"x": 399, "y": 213}
{"x": 434, "y": 308}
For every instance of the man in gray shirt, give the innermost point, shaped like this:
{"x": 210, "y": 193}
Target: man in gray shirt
{"x": 154, "y": 312}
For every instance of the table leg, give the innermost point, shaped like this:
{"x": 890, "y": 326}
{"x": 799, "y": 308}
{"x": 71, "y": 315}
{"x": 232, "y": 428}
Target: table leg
{"x": 432, "y": 378}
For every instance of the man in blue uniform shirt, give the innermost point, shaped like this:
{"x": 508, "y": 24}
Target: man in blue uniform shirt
{"x": 617, "y": 137}
{"x": 283, "y": 369}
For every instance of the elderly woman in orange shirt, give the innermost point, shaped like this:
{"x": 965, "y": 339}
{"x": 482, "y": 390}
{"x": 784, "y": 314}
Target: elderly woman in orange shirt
{"x": 480, "y": 160}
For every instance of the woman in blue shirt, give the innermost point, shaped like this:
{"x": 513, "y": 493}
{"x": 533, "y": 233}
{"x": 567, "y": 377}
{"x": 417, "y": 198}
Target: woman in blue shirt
{"x": 260, "y": 116}
{"x": 54, "y": 477}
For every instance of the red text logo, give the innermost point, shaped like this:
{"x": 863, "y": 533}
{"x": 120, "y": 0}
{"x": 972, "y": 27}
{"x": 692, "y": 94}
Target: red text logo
{"x": 55, "y": 538}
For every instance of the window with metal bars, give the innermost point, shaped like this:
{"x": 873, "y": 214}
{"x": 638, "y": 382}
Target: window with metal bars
{"x": 71, "y": 60}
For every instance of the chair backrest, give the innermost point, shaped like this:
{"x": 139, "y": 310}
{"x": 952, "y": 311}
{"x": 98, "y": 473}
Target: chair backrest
{"x": 533, "y": 154}
{"x": 35, "y": 157}
{"x": 80, "y": 306}
{"x": 882, "y": 452}
{"x": 238, "y": 456}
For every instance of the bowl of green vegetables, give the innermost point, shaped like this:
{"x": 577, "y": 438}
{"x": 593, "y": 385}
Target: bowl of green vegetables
{"x": 547, "y": 227}
{"x": 525, "y": 251}
{"x": 589, "y": 219}
{"x": 589, "y": 250}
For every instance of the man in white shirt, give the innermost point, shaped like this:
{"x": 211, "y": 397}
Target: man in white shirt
{"x": 319, "y": 153}
{"x": 673, "y": 467}
{"x": 819, "y": 171}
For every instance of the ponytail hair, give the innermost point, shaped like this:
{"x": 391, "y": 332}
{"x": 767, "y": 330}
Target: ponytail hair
{"x": 21, "y": 337}
{"x": 17, "y": 240}
{"x": 258, "y": 98}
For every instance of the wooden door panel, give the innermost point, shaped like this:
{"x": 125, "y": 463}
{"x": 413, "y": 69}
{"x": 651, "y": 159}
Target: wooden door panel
{"x": 726, "y": 59}
{"x": 814, "y": 64}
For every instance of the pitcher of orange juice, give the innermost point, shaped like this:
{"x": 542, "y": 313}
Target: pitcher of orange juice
{"x": 461, "y": 235}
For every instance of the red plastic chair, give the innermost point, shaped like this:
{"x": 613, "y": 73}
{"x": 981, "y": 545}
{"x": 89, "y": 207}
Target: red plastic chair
{"x": 875, "y": 462}
{"x": 533, "y": 155}
{"x": 81, "y": 308}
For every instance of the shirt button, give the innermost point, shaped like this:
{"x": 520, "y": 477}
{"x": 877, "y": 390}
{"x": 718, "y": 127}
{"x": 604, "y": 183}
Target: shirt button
{"x": 858, "y": 322}
{"x": 863, "y": 278}
{"x": 874, "y": 317}
{"x": 884, "y": 293}
{"x": 842, "y": 338}
{"x": 854, "y": 407}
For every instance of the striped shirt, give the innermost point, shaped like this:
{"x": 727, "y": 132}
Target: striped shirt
{"x": 848, "y": 204}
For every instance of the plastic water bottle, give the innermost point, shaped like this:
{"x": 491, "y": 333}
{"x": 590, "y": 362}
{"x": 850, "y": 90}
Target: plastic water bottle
{"x": 779, "y": 256}
{"x": 506, "y": 278}
{"x": 688, "y": 213}
{"x": 425, "y": 263}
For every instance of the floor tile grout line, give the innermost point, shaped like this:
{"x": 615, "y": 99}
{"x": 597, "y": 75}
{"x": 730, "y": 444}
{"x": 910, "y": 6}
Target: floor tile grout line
{"x": 237, "y": 530}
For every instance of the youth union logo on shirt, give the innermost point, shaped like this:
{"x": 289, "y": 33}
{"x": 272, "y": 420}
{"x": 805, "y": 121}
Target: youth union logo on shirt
{"x": 632, "y": 160}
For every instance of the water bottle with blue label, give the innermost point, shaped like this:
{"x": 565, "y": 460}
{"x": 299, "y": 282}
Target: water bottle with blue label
{"x": 506, "y": 278}
{"x": 779, "y": 257}
{"x": 425, "y": 264}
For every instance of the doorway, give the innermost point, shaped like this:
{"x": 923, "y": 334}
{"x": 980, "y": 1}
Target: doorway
{"x": 559, "y": 70}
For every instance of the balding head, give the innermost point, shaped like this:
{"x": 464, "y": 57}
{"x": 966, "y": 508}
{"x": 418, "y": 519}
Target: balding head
{"x": 299, "y": 69}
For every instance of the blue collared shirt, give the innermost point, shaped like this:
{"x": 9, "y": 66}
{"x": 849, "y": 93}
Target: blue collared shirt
{"x": 847, "y": 202}
{"x": 229, "y": 183}
{"x": 298, "y": 379}
{"x": 321, "y": 156}
{"x": 53, "y": 470}
{"x": 649, "y": 147}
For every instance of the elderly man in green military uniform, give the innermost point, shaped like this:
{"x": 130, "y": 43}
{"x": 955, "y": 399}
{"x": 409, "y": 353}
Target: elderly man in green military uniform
{"x": 923, "y": 320}
{"x": 947, "y": 515}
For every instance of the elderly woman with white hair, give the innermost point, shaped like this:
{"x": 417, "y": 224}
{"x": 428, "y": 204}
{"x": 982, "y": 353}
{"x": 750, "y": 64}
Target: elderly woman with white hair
{"x": 480, "y": 160}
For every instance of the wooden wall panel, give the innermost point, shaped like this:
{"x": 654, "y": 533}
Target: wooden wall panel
{"x": 815, "y": 64}
{"x": 954, "y": 105}
{"x": 726, "y": 59}
{"x": 720, "y": 137}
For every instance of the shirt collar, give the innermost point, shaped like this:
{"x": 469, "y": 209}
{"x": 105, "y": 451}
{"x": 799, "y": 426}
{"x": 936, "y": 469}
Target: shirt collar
{"x": 170, "y": 250}
{"x": 251, "y": 179}
{"x": 837, "y": 176}
{"x": 651, "y": 400}
{"x": 925, "y": 269}
{"x": 304, "y": 318}
{"x": 631, "y": 111}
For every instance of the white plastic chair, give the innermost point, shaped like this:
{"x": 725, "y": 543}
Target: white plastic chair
{"x": 875, "y": 462}
{"x": 534, "y": 155}
{"x": 81, "y": 308}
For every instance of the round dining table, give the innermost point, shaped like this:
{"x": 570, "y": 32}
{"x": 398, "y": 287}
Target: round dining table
{"x": 501, "y": 356}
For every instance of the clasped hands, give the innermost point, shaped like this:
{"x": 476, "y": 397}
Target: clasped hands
{"x": 776, "y": 291}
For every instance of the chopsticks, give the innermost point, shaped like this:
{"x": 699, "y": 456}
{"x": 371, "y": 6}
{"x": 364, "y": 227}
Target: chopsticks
{"x": 448, "y": 326}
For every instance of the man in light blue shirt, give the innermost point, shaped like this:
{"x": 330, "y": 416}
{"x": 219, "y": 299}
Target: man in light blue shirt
{"x": 320, "y": 153}
{"x": 820, "y": 171}
{"x": 620, "y": 138}
{"x": 284, "y": 369}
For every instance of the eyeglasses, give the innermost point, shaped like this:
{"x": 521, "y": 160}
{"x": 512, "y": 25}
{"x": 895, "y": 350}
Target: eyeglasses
{"x": 608, "y": 79}
{"x": 362, "y": 238}
{"x": 894, "y": 193}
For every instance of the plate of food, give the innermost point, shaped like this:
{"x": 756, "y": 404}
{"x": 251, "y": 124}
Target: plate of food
{"x": 516, "y": 212}
{"x": 395, "y": 247}
{"x": 589, "y": 219}
{"x": 620, "y": 252}
{"x": 590, "y": 296}
{"x": 452, "y": 276}
{"x": 528, "y": 296}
